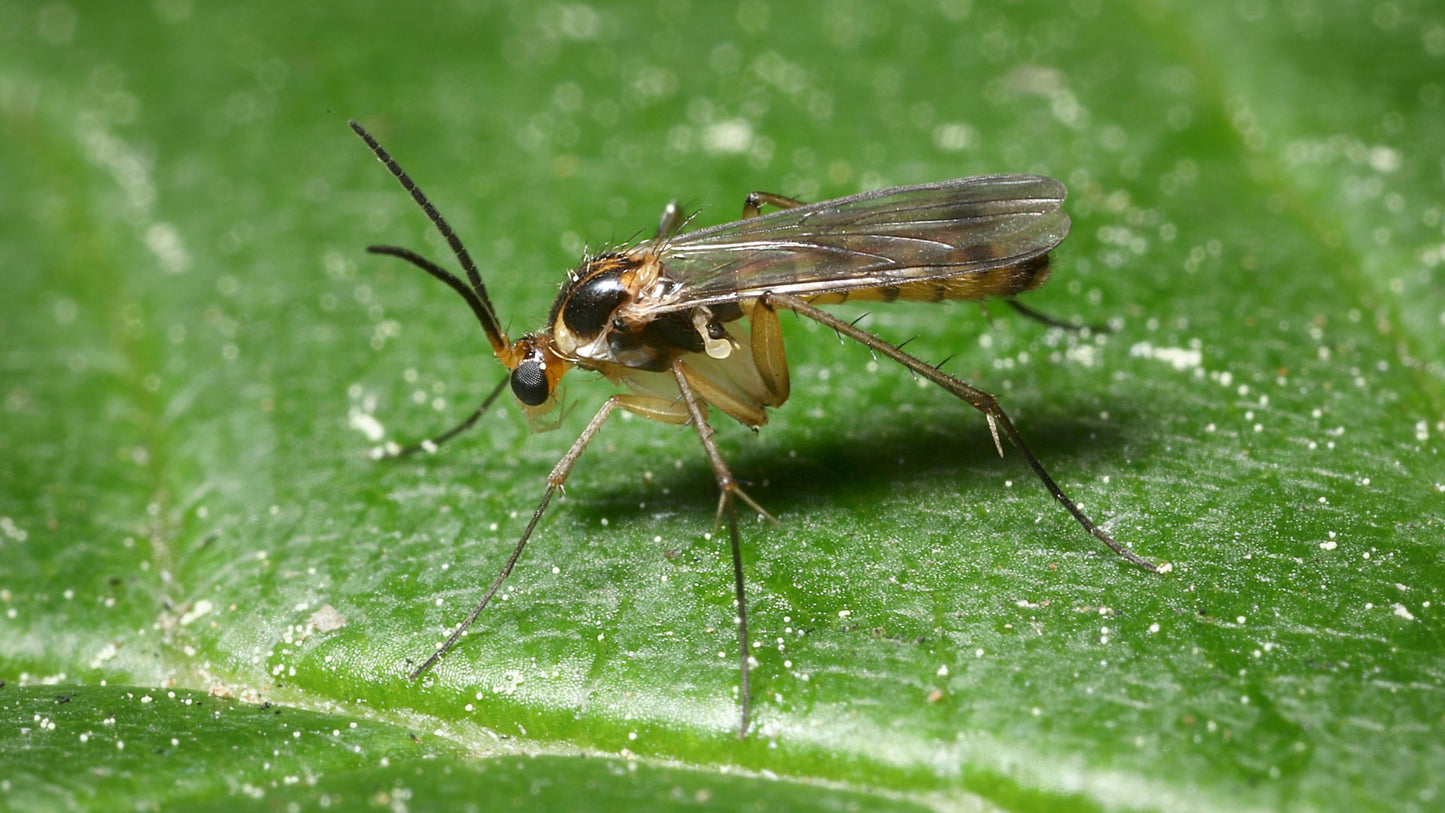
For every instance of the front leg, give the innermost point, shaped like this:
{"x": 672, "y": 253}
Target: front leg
{"x": 659, "y": 409}
{"x": 390, "y": 451}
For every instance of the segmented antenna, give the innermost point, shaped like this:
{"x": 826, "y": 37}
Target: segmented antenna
{"x": 478, "y": 299}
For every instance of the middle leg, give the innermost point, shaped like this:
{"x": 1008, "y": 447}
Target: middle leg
{"x": 728, "y": 489}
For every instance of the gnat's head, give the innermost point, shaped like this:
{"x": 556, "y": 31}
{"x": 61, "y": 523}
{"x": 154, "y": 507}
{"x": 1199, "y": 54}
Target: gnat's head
{"x": 536, "y": 370}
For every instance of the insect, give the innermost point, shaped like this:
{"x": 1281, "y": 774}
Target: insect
{"x": 688, "y": 322}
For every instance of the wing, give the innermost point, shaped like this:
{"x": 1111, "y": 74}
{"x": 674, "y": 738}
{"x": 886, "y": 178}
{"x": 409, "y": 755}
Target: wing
{"x": 883, "y": 239}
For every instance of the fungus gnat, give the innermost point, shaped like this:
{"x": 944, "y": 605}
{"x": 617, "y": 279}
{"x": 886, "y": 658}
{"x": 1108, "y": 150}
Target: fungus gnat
{"x": 688, "y": 321}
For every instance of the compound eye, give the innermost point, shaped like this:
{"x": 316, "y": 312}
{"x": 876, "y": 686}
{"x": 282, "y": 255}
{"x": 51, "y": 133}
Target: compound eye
{"x": 529, "y": 383}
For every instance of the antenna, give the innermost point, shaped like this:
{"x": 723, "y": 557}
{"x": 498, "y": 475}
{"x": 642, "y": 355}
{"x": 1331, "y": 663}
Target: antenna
{"x": 476, "y": 295}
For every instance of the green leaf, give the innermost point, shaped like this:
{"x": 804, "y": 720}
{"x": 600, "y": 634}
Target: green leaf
{"x": 196, "y": 345}
{"x": 215, "y": 752}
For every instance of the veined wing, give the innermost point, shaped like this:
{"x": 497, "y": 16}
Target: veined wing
{"x": 890, "y": 237}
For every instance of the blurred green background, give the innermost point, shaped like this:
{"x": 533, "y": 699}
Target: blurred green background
{"x": 195, "y": 342}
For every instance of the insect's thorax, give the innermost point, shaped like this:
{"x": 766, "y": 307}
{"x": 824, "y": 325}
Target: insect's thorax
{"x": 606, "y": 315}
{"x": 617, "y": 315}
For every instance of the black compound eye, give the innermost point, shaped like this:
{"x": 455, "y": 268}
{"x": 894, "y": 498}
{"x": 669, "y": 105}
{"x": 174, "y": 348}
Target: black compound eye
{"x": 529, "y": 383}
{"x": 590, "y": 305}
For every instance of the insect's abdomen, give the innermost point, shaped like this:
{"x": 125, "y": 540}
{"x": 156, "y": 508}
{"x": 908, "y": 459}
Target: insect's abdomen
{"x": 1007, "y": 281}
